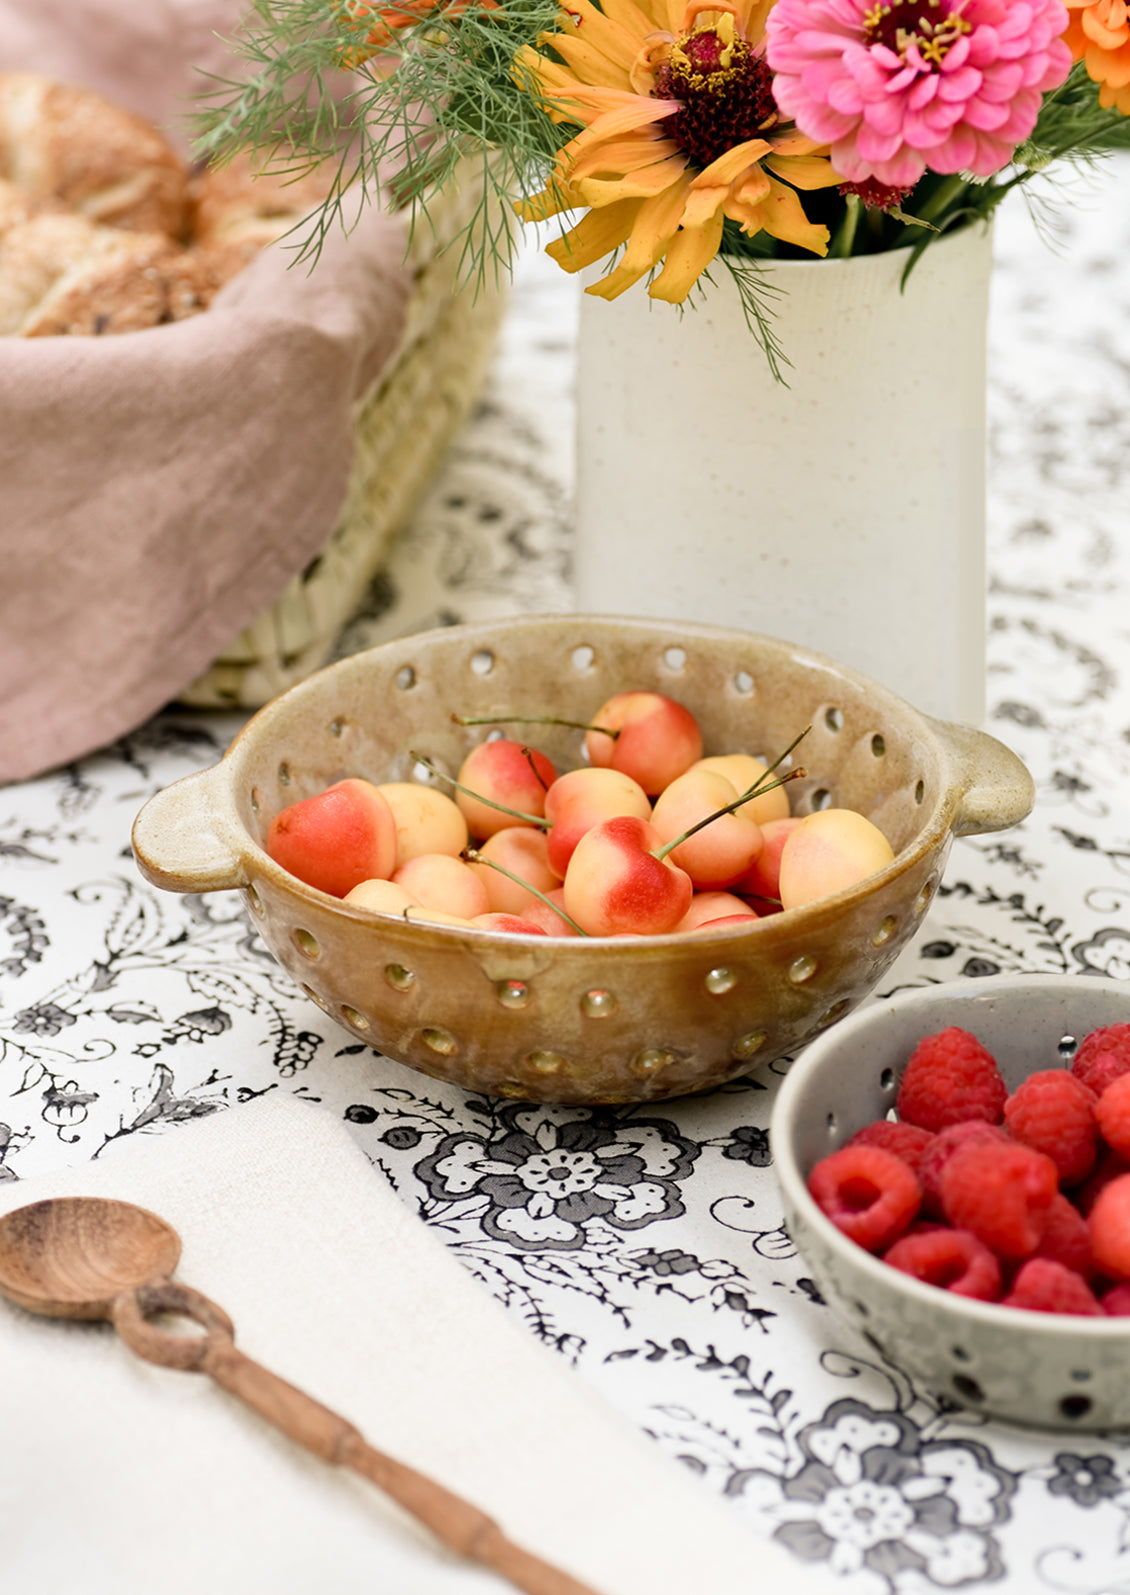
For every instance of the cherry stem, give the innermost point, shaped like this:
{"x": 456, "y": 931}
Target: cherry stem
{"x": 533, "y": 720}
{"x": 528, "y": 755}
{"x": 473, "y": 856}
{"x": 761, "y": 785}
{"x": 527, "y": 819}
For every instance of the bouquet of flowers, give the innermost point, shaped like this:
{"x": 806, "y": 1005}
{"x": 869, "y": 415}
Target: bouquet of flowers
{"x": 673, "y": 137}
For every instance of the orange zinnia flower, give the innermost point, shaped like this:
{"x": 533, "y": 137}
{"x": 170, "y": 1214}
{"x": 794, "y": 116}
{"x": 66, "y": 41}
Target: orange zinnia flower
{"x": 1098, "y": 34}
{"x": 389, "y": 19}
{"x": 680, "y": 131}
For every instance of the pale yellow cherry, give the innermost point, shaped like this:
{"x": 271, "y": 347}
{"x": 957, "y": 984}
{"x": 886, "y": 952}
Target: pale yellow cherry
{"x": 742, "y": 771}
{"x": 828, "y": 852}
{"x": 719, "y": 853}
{"x": 436, "y": 880}
{"x": 427, "y": 821}
{"x": 714, "y": 905}
{"x": 522, "y": 851}
{"x": 381, "y": 897}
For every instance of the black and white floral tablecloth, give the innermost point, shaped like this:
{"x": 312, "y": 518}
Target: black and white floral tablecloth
{"x": 646, "y": 1245}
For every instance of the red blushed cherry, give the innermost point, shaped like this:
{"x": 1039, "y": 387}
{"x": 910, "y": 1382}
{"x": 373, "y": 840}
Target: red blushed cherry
{"x": 658, "y": 739}
{"x": 582, "y": 798}
{"x": 616, "y": 886}
{"x": 510, "y": 773}
{"x": 337, "y": 838}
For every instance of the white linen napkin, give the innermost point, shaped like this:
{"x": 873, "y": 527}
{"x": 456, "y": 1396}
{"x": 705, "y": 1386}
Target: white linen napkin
{"x": 118, "y": 1477}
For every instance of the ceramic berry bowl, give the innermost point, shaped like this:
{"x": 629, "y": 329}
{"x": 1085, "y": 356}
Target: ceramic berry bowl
{"x": 1037, "y": 1368}
{"x": 585, "y": 1019}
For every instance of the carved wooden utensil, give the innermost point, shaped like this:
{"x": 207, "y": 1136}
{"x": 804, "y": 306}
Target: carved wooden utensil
{"x": 87, "y": 1257}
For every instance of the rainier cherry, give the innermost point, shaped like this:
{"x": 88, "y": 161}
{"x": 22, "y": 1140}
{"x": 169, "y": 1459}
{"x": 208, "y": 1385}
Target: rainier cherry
{"x": 720, "y": 853}
{"x": 616, "y": 885}
{"x": 505, "y": 772}
{"x": 580, "y": 799}
{"x": 828, "y": 852}
{"x": 337, "y": 838}
{"x": 657, "y": 738}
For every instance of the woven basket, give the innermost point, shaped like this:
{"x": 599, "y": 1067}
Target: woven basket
{"x": 401, "y": 429}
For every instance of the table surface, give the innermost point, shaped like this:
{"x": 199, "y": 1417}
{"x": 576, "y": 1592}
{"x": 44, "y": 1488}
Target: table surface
{"x": 674, "y": 1289}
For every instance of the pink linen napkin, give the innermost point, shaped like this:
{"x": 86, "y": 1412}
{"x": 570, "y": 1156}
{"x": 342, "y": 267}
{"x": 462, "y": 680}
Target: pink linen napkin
{"x": 158, "y": 489}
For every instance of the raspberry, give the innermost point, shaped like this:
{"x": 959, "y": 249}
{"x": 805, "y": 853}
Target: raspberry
{"x": 1054, "y": 1112}
{"x": 952, "y": 1259}
{"x": 1108, "y": 1168}
{"x": 1002, "y": 1192}
{"x": 1113, "y": 1115}
{"x": 1067, "y": 1237}
{"x": 939, "y": 1152}
{"x": 1043, "y": 1286}
{"x": 1102, "y": 1056}
{"x": 1116, "y": 1302}
{"x": 1109, "y": 1220}
{"x": 868, "y": 1193}
{"x": 951, "y": 1077}
{"x": 906, "y": 1141}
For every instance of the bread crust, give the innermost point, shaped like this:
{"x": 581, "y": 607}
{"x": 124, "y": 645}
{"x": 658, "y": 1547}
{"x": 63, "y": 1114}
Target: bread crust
{"x": 69, "y": 144}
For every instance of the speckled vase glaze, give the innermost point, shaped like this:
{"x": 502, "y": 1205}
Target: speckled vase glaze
{"x": 845, "y": 511}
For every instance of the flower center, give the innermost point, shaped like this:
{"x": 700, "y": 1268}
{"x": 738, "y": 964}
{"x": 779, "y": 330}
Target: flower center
{"x": 725, "y": 90}
{"x": 929, "y": 25}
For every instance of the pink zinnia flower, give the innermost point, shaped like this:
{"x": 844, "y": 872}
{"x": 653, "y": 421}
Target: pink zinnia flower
{"x": 894, "y": 89}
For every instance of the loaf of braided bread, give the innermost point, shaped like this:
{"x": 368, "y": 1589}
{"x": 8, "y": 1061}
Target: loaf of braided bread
{"x": 105, "y": 229}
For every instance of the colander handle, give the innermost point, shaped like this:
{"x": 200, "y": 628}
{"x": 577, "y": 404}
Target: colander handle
{"x": 180, "y": 837}
{"x": 997, "y": 790}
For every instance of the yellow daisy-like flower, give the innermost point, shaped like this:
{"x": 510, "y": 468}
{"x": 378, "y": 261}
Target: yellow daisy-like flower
{"x": 679, "y": 131}
{"x": 1098, "y": 34}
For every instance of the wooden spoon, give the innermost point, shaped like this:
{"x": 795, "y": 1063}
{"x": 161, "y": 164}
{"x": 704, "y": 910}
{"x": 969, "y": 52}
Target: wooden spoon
{"x": 87, "y": 1257}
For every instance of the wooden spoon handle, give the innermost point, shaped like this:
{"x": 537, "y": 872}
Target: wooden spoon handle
{"x": 456, "y": 1522}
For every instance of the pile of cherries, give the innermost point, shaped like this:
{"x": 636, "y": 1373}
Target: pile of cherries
{"x": 650, "y": 836}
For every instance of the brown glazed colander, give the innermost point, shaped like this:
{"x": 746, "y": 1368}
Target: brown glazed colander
{"x": 576, "y": 1019}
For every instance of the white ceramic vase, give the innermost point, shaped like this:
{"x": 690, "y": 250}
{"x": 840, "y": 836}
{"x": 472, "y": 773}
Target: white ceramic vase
{"x": 846, "y": 511}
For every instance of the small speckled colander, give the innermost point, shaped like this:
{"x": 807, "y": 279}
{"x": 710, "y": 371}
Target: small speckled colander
{"x": 585, "y": 1020}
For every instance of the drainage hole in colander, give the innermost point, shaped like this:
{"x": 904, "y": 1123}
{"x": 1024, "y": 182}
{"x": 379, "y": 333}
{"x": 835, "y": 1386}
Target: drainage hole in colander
{"x": 544, "y": 1062}
{"x": 719, "y": 981}
{"x": 399, "y": 978}
{"x": 352, "y": 1017}
{"x": 836, "y": 1011}
{"x": 925, "y": 896}
{"x": 583, "y": 658}
{"x": 834, "y": 719}
{"x": 887, "y": 1080}
{"x": 406, "y": 678}
{"x": 598, "y": 1004}
{"x": 337, "y": 725}
{"x": 436, "y": 1039}
{"x": 959, "y": 1354}
{"x": 254, "y": 901}
{"x": 968, "y": 1388}
{"x": 675, "y": 659}
{"x": 802, "y": 969}
{"x": 512, "y": 993}
{"x": 308, "y": 991}
{"x": 482, "y": 662}
{"x": 919, "y": 791}
{"x": 255, "y": 802}
{"x": 746, "y": 1045}
{"x": 1075, "y": 1407}
{"x": 831, "y": 1125}
{"x": 284, "y": 774}
{"x": 884, "y": 930}
{"x": 820, "y": 799}
{"x": 307, "y": 943}
{"x": 743, "y": 683}
{"x": 878, "y": 745}
{"x": 1066, "y": 1047}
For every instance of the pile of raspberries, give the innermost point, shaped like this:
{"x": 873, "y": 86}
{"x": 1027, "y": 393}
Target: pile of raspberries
{"x": 1020, "y": 1199}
